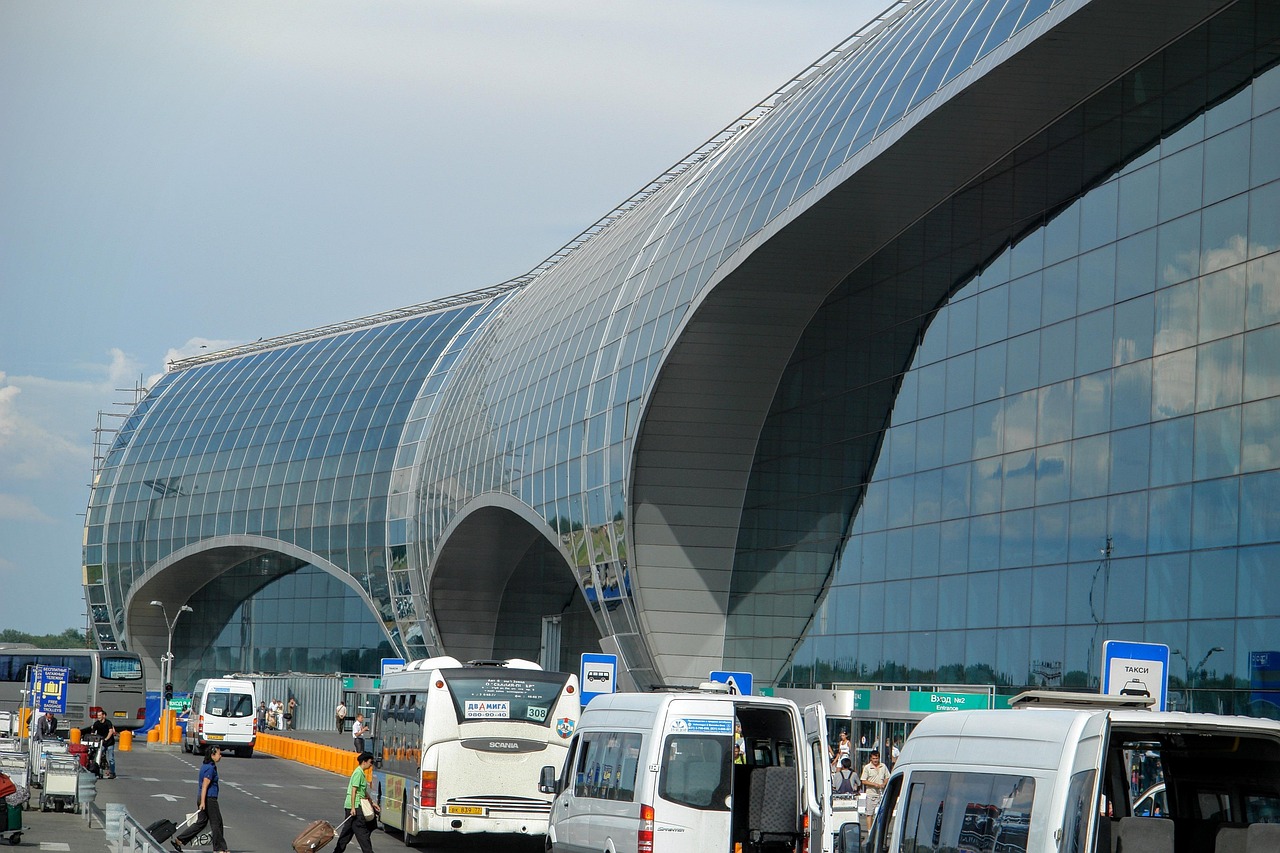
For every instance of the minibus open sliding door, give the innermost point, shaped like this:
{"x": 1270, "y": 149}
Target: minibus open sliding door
{"x": 1084, "y": 809}
{"x": 817, "y": 801}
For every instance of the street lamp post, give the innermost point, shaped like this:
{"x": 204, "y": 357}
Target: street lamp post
{"x": 1194, "y": 673}
{"x": 166, "y": 664}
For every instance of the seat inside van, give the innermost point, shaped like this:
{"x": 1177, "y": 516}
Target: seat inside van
{"x": 1218, "y": 787}
{"x": 766, "y": 786}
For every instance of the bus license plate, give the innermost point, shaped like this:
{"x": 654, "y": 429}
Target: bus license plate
{"x": 213, "y": 737}
{"x": 119, "y": 713}
{"x": 472, "y": 810}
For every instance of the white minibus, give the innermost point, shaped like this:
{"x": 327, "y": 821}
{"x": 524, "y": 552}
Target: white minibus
{"x": 692, "y": 772}
{"x": 1065, "y": 773}
{"x": 460, "y": 745}
{"x": 222, "y": 712}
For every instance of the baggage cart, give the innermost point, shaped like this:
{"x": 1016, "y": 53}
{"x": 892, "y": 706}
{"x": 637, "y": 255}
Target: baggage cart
{"x": 14, "y": 765}
{"x": 61, "y": 773}
{"x": 41, "y": 751}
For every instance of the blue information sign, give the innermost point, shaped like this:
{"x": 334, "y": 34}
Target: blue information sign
{"x": 1136, "y": 669}
{"x": 597, "y": 676}
{"x": 739, "y": 682}
{"x": 49, "y": 688}
{"x": 390, "y": 665}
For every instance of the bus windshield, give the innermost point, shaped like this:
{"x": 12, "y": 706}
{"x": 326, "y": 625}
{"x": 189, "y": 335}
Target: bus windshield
{"x": 525, "y": 696}
{"x": 121, "y": 669}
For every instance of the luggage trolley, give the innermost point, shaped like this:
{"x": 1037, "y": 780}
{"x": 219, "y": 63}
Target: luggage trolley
{"x": 61, "y": 772}
{"x": 13, "y": 763}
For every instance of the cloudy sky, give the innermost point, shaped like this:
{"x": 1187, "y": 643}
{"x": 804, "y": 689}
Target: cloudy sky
{"x": 179, "y": 176}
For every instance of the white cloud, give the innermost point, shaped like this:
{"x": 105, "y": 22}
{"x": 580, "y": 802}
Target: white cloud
{"x": 18, "y": 508}
{"x": 192, "y": 348}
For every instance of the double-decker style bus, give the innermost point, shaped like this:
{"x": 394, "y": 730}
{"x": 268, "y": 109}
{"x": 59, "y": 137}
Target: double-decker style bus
{"x": 462, "y": 745}
{"x": 111, "y": 681}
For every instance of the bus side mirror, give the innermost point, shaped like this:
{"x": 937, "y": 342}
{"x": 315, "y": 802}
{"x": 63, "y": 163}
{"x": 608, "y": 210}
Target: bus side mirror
{"x": 547, "y": 781}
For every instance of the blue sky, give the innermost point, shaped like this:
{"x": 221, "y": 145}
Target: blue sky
{"x": 179, "y": 176}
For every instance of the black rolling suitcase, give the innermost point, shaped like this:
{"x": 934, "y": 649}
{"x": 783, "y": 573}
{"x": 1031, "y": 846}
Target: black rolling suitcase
{"x": 162, "y": 830}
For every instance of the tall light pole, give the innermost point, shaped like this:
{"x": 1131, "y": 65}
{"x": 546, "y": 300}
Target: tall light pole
{"x": 1194, "y": 673}
{"x": 166, "y": 665}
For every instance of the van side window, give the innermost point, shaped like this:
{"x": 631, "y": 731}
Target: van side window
{"x": 967, "y": 811}
{"x": 697, "y": 771}
{"x": 607, "y": 766}
{"x": 1079, "y": 812}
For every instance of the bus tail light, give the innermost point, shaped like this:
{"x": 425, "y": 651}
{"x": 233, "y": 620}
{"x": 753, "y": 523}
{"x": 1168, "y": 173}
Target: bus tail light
{"x": 200, "y": 726}
{"x": 427, "y": 800}
{"x": 804, "y": 835}
{"x": 142, "y": 714}
{"x": 94, "y": 711}
{"x": 644, "y": 838}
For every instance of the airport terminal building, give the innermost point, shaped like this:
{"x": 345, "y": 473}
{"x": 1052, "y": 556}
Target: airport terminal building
{"x": 955, "y": 357}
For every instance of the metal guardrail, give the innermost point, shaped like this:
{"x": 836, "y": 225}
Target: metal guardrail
{"x": 125, "y": 834}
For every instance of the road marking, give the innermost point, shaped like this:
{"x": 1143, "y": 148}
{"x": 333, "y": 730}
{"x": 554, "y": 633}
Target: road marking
{"x": 54, "y": 845}
{"x": 148, "y": 779}
{"x": 170, "y": 797}
{"x": 271, "y": 785}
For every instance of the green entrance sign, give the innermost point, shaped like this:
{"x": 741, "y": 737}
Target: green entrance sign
{"x": 926, "y": 703}
{"x": 348, "y": 684}
{"x": 862, "y": 700}
{"x": 179, "y": 704}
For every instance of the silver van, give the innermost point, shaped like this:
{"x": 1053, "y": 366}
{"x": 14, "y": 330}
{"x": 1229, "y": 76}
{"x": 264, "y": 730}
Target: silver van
{"x": 1065, "y": 773}
{"x": 689, "y": 772}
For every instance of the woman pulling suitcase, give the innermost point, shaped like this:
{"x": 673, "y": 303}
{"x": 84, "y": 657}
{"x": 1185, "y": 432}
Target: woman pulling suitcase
{"x": 210, "y": 814}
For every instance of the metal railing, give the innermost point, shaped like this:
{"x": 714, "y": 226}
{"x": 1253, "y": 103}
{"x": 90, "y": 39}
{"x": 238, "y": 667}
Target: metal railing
{"x": 125, "y": 834}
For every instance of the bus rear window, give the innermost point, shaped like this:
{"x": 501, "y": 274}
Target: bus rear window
{"x": 524, "y": 696}
{"x": 229, "y": 705}
{"x": 121, "y": 669}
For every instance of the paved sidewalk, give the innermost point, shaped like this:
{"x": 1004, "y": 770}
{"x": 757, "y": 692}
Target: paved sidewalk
{"x": 60, "y": 831}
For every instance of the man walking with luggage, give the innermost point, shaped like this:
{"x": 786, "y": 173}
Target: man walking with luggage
{"x": 354, "y": 821}
{"x": 106, "y": 734}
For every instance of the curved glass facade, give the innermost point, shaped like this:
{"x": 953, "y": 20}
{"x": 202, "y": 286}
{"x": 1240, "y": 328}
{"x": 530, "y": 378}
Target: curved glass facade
{"x": 1085, "y": 445}
{"x": 945, "y": 364}
{"x": 292, "y": 445}
{"x": 548, "y": 401}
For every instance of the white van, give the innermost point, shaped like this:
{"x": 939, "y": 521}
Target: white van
{"x": 1062, "y": 773}
{"x": 690, "y": 772}
{"x": 222, "y": 712}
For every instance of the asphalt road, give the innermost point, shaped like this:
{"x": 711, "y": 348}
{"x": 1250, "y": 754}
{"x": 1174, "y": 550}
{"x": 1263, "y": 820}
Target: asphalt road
{"x": 265, "y": 801}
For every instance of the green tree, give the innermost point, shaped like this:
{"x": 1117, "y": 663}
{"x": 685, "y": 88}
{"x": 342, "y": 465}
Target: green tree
{"x": 72, "y": 638}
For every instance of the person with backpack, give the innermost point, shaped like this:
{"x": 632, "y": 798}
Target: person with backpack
{"x": 845, "y": 782}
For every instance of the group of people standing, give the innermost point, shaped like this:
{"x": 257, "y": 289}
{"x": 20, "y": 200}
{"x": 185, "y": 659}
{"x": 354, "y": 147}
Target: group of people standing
{"x": 277, "y": 715}
{"x": 872, "y": 780}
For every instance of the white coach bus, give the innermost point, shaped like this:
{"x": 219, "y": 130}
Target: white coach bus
{"x": 461, "y": 745}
